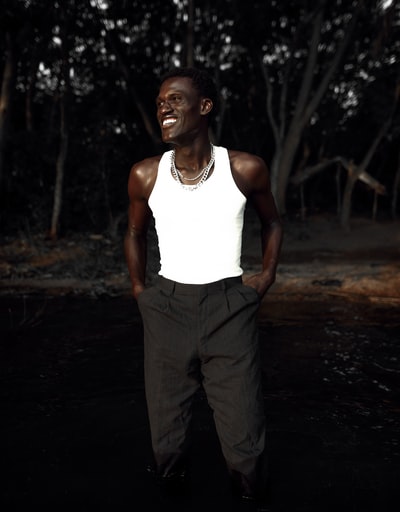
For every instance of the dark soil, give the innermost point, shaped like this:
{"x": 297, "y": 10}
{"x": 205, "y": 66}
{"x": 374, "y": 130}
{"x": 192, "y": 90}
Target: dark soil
{"x": 74, "y": 425}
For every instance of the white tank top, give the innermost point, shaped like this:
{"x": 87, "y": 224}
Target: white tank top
{"x": 200, "y": 231}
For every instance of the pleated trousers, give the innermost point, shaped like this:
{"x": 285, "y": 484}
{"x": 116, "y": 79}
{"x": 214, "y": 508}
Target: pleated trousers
{"x": 204, "y": 335}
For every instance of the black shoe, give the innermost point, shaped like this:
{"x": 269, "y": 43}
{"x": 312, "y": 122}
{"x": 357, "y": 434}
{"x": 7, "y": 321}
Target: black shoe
{"x": 249, "y": 503}
{"x": 246, "y": 504}
{"x": 174, "y": 484}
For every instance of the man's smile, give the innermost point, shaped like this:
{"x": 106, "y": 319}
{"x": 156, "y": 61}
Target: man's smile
{"x": 168, "y": 121}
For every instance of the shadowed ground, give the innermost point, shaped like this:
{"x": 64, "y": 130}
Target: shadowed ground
{"x": 74, "y": 426}
{"x": 73, "y": 418}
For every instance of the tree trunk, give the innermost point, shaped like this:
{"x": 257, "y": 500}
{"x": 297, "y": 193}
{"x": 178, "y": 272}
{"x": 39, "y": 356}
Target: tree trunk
{"x": 347, "y": 195}
{"x": 5, "y": 102}
{"x": 359, "y": 172}
{"x": 60, "y": 170}
{"x": 189, "y": 57}
{"x": 283, "y": 167}
{"x": 64, "y": 84}
{"x": 396, "y": 187}
{"x": 306, "y": 104}
{"x": 338, "y": 191}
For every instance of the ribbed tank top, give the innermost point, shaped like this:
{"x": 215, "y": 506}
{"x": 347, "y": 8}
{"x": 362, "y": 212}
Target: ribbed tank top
{"x": 199, "y": 232}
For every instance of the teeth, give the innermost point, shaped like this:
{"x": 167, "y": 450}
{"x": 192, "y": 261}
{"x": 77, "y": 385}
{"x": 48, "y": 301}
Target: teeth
{"x": 168, "y": 121}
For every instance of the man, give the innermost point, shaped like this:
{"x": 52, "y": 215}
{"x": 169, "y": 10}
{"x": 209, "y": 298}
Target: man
{"x": 199, "y": 318}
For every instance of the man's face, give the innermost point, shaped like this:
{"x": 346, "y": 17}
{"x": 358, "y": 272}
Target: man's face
{"x": 180, "y": 109}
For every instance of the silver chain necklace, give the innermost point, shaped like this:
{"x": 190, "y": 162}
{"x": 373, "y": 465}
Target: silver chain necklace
{"x": 178, "y": 176}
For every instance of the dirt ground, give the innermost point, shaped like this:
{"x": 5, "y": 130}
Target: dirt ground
{"x": 319, "y": 260}
{"x": 74, "y": 425}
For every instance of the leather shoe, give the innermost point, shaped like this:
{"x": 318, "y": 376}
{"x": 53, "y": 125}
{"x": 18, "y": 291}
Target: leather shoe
{"x": 173, "y": 484}
{"x": 250, "y": 505}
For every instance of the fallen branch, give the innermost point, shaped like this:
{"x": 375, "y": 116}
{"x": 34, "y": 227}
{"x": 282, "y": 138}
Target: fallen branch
{"x": 349, "y": 165}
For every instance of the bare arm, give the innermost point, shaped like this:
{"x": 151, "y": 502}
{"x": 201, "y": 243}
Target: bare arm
{"x": 271, "y": 240}
{"x": 252, "y": 177}
{"x": 140, "y": 184}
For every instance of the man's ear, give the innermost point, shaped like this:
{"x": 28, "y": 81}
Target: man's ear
{"x": 206, "y": 106}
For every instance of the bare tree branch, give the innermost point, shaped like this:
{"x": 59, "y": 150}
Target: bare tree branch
{"x": 357, "y": 171}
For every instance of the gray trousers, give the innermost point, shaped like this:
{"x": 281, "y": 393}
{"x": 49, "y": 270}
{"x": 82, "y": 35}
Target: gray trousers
{"x": 204, "y": 335}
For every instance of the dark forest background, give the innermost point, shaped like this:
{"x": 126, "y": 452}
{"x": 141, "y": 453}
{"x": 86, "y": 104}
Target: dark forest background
{"x": 311, "y": 86}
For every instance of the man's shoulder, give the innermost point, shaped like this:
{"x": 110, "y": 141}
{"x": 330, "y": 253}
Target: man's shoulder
{"x": 143, "y": 175}
{"x": 147, "y": 165}
{"x": 242, "y": 161}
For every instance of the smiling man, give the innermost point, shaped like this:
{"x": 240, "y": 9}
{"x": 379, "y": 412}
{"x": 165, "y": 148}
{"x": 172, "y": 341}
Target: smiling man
{"x": 199, "y": 317}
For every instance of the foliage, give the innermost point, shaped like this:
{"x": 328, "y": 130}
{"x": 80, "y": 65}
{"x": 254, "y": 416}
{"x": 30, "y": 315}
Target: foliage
{"x": 115, "y": 52}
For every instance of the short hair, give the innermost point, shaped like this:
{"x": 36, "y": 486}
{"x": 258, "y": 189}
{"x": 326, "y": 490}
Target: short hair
{"x": 202, "y": 81}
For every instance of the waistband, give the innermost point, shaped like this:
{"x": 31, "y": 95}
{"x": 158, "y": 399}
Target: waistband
{"x": 194, "y": 289}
